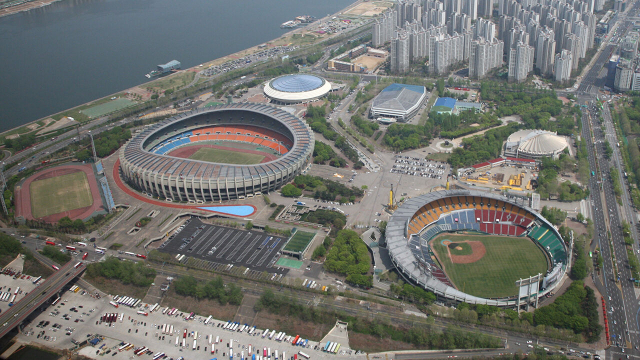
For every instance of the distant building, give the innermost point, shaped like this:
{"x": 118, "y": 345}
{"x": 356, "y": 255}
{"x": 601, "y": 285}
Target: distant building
{"x": 534, "y": 144}
{"x": 563, "y": 65}
{"x": 444, "y": 105}
{"x": 520, "y": 62}
{"x": 462, "y": 106}
{"x": 484, "y": 56}
{"x": 624, "y": 75}
{"x": 296, "y": 88}
{"x": 400, "y": 53}
{"x": 398, "y": 101}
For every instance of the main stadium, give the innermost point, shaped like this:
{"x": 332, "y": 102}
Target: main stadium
{"x": 475, "y": 247}
{"x": 218, "y": 153}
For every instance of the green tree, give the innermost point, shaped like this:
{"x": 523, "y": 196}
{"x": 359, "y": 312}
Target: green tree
{"x": 290, "y": 190}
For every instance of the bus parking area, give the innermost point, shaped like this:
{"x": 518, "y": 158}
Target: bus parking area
{"x": 105, "y": 331}
{"x": 218, "y": 248}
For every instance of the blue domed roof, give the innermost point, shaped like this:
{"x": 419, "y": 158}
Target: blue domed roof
{"x": 297, "y": 83}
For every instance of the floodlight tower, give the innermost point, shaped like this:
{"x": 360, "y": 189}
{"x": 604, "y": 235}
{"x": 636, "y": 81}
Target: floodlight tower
{"x": 93, "y": 147}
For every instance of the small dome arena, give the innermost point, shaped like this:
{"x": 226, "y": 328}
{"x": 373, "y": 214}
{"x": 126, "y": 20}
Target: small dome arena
{"x": 296, "y": 88}
{"x": 535, "y": 144}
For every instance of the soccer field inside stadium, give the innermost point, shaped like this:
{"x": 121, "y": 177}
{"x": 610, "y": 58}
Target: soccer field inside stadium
{"x": 488, "y": 266}
{"x": 226, "y": 156}
{"x": 59, "y": 194}
{"x": 299, "y": 241}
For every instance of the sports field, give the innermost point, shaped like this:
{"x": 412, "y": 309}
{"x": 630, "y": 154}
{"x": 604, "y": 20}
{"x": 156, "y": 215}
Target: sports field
{"x": 108, "y": 107}
{"x": 488, "y": 266}
{"x": 59, "y": 194}
{"x": 299, "y": 241}
{"x": 226, "y": 156}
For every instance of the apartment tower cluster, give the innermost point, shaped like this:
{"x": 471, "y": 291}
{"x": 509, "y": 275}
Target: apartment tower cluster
{"x": 548, "y": 35}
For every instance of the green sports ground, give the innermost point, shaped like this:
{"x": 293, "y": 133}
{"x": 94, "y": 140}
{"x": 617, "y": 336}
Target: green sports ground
{"x": 507, "y": 259}
{"x": 59, "y": 194}
{"x": 226, "y": 156}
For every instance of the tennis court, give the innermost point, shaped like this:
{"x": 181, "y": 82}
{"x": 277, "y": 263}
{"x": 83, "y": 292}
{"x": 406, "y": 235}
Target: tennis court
{"x": 290, "y": 263}
{"x": 299, "y": 241}
{"x": 108, "y": 107}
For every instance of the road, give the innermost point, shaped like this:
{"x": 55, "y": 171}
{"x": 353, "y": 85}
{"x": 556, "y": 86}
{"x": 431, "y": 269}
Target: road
{"x": 619, "y": 292}
{"x": 51, "y": 286}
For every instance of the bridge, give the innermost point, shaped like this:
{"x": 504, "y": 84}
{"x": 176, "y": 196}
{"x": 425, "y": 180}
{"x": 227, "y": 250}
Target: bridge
{"x": 50, "y": 287}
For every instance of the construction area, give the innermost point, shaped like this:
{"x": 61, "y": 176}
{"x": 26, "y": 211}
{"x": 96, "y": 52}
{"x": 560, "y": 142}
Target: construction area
{"x": 503, "y": 178}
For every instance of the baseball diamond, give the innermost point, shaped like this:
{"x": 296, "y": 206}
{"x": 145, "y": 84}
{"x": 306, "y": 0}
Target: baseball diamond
{"x": 146, "y": 163}
{"x": 472, "y": 246}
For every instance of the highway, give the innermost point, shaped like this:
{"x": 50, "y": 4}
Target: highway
{"x": 619, "y": 293}
{"x": 50, "y": 287}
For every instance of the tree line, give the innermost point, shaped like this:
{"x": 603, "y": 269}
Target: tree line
{"x": 214, "y": 289}
{"x": 423, "y": 336}
{"x": 126, "y": 271}
{"x": 576, "y": 309}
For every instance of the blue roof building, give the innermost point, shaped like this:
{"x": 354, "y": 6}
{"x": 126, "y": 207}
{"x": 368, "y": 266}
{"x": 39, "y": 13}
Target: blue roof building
{"x": 444, "y": 105}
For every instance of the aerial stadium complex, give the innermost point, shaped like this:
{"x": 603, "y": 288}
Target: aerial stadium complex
{"x": 218, "y": 153}
{"x": 398, "y": 101}
{"x": 476, "y": 247}
{"x": 535, "y": 144}
{"x": 296, "y": 88}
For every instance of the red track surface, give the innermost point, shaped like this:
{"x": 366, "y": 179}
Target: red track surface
{"x": 187, "y": 151}
{"x": 135, "y": 195}
{"x": 23, "y": 195}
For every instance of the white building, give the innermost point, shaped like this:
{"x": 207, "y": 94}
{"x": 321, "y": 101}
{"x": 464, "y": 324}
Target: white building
{"x": 520, "y": 62}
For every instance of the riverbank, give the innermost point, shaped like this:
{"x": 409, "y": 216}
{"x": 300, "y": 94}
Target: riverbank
{"x": 26, "y": 6}
{"x": 304, "y": 37}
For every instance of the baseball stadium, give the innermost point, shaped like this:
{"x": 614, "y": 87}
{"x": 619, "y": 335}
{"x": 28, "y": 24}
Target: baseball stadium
{"x": 476, "y": 247}
{"x": 227, "y": 152}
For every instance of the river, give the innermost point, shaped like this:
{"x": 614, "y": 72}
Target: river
{"x": 75, "y": 51}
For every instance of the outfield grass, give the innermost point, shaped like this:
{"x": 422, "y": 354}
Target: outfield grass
{"x": 507, "y": 259}
{"x": 299, "y": 241}
{"x": 59, "y": 194}
{"x": 226, "y": 156}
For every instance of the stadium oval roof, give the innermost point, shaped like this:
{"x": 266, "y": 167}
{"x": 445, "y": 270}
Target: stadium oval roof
{"x": 296, "y": 88}
{"x": 398, "y": 100}
{"x": 537, "y": 142}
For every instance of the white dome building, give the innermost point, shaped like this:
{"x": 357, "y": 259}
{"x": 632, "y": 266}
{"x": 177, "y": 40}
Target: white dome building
{"x": 296, "y": 88}
{"x": 535, "y": 144}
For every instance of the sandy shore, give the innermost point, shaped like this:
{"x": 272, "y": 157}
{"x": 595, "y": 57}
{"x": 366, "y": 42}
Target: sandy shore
{"x": 26, "y": 7}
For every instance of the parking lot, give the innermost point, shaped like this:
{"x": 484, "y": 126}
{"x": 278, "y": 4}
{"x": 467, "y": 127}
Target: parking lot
{"x": 14, "y": 283}
{"x": 418, "y": 167}
{"x": 218, "y": 248}
{"x": 82, "y": 323}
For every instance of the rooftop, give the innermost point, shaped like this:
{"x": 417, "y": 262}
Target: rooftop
{"x": 297, "y": 83}
{"x": 399, "y": 97}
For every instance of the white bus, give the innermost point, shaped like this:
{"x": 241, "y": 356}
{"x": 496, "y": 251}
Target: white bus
{"x": 208, "y": 319}
{"x": 171, "y": 330}
{"x": 271, "y": 335}
{"x": 303, "y": 355}
{"x": 194, "y": 343}
{"x": 177, "y": 340}
{"x": 264, "y": 333}
{"x": 136, "y": 303}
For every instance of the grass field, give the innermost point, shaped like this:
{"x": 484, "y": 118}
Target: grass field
{"x": 59, "y": 194}
{"x": 226, "y": 156}
{"x": 299, "y": 241}
{"x": 507, "y": 259}
{"x": 108, "y": 107}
